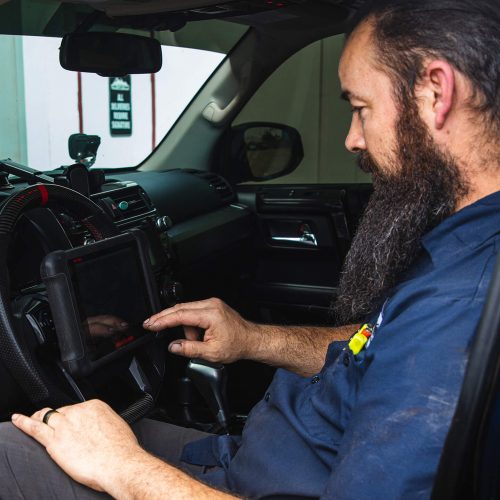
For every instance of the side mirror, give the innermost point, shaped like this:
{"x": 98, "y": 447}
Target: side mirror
{"x": 258, "y": 152}
{"x": 110, "y": 54}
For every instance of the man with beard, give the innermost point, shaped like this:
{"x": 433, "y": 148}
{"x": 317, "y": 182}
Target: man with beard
{"x": 346, "y": 419}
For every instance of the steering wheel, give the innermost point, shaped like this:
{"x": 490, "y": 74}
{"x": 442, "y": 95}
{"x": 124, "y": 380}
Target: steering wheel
{"x": 14, "y": 353}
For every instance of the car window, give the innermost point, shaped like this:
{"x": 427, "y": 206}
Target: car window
{"x": 42, "y": 105}
{"x": 304, "y": 93}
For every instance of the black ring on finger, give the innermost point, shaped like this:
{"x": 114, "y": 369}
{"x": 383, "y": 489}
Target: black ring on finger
{"x": 47, "y": 415}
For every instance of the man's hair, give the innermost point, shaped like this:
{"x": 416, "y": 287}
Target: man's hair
{"x": 465, "y": 33}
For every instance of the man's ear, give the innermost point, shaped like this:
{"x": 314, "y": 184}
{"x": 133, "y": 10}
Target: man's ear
{"x": 440, "y": 79}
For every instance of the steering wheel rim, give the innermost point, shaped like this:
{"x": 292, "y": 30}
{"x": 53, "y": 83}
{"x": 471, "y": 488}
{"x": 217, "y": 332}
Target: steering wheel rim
{"x": 16, "y": 357}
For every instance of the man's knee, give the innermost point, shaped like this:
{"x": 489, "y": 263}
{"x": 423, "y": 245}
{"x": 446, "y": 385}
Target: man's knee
{"x": 18, "y": 455}
{"x": 17, "y": 451}
{"x": 14, "y": 440}
{"x": 27, "y": 471}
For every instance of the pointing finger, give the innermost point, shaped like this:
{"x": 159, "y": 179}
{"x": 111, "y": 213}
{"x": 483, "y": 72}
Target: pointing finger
{"x": 187, "y": 317}
{"x": 198, "y": 304}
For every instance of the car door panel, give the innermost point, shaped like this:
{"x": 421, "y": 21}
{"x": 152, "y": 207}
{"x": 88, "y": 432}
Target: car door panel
{"x": 304, "y": 234}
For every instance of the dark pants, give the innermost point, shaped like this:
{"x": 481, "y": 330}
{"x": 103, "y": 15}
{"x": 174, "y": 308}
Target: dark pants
{"x": 27, "y": 472}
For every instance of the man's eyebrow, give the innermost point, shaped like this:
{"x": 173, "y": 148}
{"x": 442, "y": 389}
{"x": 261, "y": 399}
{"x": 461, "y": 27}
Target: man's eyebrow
{"x": 347, "y": 95}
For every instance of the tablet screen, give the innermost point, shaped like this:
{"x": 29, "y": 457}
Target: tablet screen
{"x": 112, "y": 298}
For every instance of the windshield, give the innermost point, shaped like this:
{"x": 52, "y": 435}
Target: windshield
{"x": 42, "y": 104}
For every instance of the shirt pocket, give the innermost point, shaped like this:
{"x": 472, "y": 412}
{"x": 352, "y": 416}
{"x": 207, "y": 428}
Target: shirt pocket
{"x": 330, "y": 400}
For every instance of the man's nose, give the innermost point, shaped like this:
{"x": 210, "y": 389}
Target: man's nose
{"x": 355, "y": 140}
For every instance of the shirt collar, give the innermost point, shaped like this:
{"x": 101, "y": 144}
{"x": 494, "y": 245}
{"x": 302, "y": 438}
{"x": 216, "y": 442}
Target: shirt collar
{"x": 469, "y": 227}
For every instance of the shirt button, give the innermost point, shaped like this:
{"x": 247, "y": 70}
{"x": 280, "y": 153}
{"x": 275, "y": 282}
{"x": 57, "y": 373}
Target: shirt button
{"x": 267, "y": 396}
{"x": 347, "y": 359}
{"x": 315, "y": 379}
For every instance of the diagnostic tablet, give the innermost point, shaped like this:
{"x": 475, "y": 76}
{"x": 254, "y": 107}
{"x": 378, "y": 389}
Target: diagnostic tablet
{"x": 99, "y": 295}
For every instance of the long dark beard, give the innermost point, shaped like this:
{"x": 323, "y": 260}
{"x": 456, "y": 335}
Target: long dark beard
{"x": 403, "y": 207}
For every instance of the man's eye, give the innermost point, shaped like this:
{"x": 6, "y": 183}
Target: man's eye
{"x": 356, "y": 109}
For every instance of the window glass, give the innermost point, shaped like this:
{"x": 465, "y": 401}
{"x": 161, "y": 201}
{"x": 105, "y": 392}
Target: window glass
{"x": 304, "y": 93}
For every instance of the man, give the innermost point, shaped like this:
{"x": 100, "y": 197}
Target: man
{"x": 366, "y": 421}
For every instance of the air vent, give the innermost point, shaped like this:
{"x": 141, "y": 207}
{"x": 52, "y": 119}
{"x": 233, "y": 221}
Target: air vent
{"x": 127, "y": 203}
{"x": 218, "y": 184}
{"x": 131, "y": 202}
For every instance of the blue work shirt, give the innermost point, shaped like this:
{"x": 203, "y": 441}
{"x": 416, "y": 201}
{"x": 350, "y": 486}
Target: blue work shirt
{"x": 373, "y": 425}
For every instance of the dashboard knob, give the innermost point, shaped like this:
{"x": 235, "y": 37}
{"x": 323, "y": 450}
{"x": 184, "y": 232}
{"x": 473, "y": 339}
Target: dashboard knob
{"x": 172, "y": 292}
{"x": 163, "y": 223}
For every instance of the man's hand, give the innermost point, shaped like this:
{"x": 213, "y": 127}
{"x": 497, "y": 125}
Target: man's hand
{"x": 85, "y": 440}
{"x": 105, "y": 324}
{"x": 227, "y": 338}
{"x": 95, "y": 447}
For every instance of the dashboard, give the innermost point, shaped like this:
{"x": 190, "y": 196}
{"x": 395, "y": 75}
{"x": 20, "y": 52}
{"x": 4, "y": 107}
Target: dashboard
{"x": 187, "y": 215}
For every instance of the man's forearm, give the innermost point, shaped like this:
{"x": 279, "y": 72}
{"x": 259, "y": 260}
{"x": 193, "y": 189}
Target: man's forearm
{"x": 229, "y": 337}
{"x": 301, "y": 349}
{"x": 147, "y": 477}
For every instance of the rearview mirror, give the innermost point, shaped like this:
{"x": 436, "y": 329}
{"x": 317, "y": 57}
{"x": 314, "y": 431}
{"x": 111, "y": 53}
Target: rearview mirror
{"x": 258, "y": 152}
{"x": 110, "y": 54}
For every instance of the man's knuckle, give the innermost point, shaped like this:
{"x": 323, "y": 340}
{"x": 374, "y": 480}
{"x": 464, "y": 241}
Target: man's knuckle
{"x": 191, "y": 349}
{"x": 34, "y": 427}
{"x": 216, "y": 302}
{"x": 94, "y": 403}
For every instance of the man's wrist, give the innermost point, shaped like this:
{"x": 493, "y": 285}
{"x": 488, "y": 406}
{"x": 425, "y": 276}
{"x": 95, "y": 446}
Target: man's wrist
{"x": 265, "y": 343}
{"x": 116, "y": 480}
{"x": 142, "y": 475}
{"x": 254, "y": 339}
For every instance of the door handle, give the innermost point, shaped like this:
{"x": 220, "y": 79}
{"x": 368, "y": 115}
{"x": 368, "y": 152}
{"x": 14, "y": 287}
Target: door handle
{"x": 306, "y": 237}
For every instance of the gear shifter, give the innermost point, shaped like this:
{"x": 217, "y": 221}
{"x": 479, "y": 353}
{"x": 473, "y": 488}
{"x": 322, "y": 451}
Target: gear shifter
{"x": 210, "y": 380}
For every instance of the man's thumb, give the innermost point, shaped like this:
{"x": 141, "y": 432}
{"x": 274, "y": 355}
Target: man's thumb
{"x": 187, "y": 348}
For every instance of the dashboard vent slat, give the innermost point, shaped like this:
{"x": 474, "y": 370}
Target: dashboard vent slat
{"x": 218, "y": 184}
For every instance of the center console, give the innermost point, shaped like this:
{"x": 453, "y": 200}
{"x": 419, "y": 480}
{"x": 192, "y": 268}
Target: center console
{"x": 128, "y": 206}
